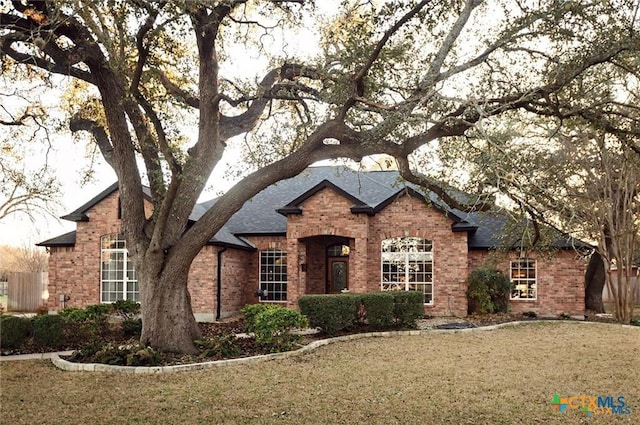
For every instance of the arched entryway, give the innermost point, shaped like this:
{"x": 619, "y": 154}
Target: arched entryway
{"x": 326, "y": 266}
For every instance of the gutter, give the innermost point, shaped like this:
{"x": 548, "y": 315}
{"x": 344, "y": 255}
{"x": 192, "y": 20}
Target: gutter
{"x": 219, "y": 284}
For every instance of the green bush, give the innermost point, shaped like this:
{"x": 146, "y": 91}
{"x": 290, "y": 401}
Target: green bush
{"x": 14, "y": 332}
{"x": 98, "y": 312}
{"x": 273, "y": 328}
{"x": 126, "y": 309}
{"x": 131, "y": 328}
{"x": 250, "y": 313}
{"x": 378, "y": 307}
{"x": 93, "y": 319}
{"x": 408, "y": 307}
{"x": 73, "y": 314}
{"x": 331, "y": 313}
{"x": 48, "y": 331}
{"x": 488, "y": 291}
{"x": 220, "y": 346}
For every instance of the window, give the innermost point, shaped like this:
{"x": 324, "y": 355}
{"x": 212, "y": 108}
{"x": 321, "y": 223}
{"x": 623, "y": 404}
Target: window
{"x": 523, "y": 279}
{"x": 407, "y": 265}
{"x": 338, "y": 251}
{"x": 273, "y": 275}
{"x": 118, "y": 279}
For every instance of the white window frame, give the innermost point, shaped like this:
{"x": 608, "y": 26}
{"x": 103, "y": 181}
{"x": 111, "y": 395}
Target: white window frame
{"x": 120, "y": 279}
{"x": 405, "y": 252}
{"x": 272, "y": 277}
{"x": 521, "y": 280}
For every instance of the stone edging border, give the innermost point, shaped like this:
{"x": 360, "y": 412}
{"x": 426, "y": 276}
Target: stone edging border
{"x": 98, "y": 367}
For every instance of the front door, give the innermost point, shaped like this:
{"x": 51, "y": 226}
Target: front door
{"x": 338, "y": 279}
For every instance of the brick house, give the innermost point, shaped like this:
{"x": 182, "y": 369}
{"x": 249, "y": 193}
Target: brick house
{"x": 327, "y": 230}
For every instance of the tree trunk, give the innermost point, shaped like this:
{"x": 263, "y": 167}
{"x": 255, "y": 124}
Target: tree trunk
{"x": 594, "y": 282}
{"x": 168, "y": 322}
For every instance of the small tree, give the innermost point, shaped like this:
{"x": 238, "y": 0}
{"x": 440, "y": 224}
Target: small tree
{"x": 488, "y": 291}
{"x": 23, "y": 259}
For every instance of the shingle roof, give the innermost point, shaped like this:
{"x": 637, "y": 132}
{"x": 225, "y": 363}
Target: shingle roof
{"x": 68, "y": 239}
{"x": 370, "y": 192}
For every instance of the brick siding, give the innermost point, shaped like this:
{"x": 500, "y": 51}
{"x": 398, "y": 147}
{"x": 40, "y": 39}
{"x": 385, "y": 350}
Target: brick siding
{"x": 560, "y": 281}
{"x": 326, "y": 219}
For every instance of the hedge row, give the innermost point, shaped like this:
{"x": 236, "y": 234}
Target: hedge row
{"x": 69, "y": 328}
{"x": 378, "y": 310}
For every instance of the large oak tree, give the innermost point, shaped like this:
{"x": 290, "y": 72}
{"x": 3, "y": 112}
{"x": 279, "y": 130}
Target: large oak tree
{"x": 380, "y": 78}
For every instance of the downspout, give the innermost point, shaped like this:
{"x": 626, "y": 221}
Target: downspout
{"x": 219, "y": 285}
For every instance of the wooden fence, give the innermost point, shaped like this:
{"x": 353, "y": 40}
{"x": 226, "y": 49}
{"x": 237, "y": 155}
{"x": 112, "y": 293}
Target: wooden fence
{"x": 27, "y": 291}
{"x": 607, "y": 297}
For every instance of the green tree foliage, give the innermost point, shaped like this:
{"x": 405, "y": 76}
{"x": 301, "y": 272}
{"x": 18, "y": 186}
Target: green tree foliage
{"x": 392, "y": 78}
{"x": 488, "y": 291}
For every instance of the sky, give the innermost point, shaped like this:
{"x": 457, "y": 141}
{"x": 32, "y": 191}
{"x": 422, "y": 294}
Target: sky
{"x": 68, "y": 163}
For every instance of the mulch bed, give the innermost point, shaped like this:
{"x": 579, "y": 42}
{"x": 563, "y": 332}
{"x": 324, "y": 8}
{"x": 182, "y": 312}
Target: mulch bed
{"x": 246, "y": 346}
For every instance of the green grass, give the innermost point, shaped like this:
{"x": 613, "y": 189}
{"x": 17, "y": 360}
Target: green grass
{"x": 504, "y": 376}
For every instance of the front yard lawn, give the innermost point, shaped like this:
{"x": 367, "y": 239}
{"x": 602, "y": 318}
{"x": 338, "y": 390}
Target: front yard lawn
{"x": 503, "y": 376}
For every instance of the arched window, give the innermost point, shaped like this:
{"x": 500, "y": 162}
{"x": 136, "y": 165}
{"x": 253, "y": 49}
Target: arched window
{"x": 407, "y": 265}
{"x": 118, "y": 279}
{"x": 273, "y": 275}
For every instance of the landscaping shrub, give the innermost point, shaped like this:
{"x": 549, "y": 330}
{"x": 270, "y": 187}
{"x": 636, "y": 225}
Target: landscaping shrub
{"x": 273, "y": 327}
{"x": 93, "y": 320}
{"x": 378, "y": 307}
{"x": 331, "y": 313}
{"x": 251, "y": 311}
{"x": 48, "y": 332}
{"x": 14, "y": 331}
{"x": 408, "y": 307}
{"x": 98, "y": 312}
{"x": 488, "y": 291}
{"x": 220, "y": 346}
{"x": 131, "y": 328}
{"x": 140, "y": 355}
{"x": 122, "y": 355}
{"x": 73, "y": 314}
{"x": 126, "y": 309}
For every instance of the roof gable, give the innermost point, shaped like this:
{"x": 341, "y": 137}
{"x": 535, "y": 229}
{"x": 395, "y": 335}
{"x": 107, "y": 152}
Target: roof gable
{"x": 294, "y": 207}
{"x": 80, "y": 214}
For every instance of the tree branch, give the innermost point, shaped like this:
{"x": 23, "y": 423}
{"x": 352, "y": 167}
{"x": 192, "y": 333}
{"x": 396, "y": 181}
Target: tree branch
{"x": 435, "y": 187}
{"x": 99, "y": 134}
